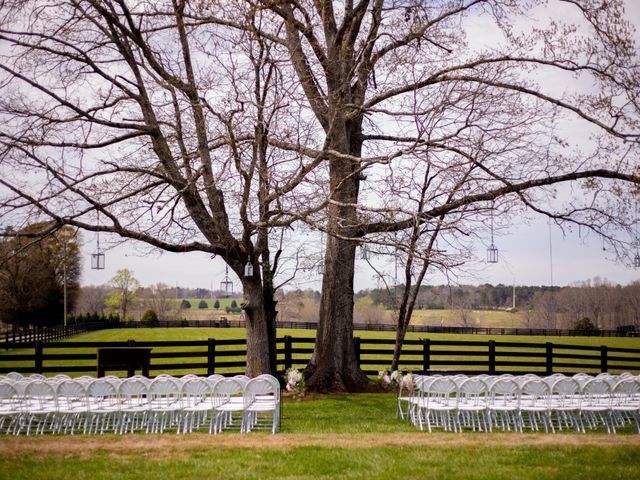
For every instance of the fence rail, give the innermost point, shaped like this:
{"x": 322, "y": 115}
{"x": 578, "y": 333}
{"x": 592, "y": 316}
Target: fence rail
{"x": 205, "y": 357}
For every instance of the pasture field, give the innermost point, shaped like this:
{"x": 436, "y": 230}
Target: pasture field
{"x": 223, "y": 301}
{"x": 326, "y": 437}
{"x": 178, "y": 334}
{"x": 474, "y": 318}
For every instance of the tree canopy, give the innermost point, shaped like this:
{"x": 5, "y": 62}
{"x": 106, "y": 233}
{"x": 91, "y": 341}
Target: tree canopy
{"x": 405, "y": 125}
{"x": 33, "y": 274}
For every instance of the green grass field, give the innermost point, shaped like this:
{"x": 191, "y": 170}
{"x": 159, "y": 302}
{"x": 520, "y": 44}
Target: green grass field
{"x": 323, "y": 437}
{"x": 326, "y": 437}
{"x": 223, "y": 301}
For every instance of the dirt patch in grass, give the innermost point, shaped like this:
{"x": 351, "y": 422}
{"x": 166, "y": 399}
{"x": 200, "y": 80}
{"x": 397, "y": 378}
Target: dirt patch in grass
{"x": 165, "y": 446}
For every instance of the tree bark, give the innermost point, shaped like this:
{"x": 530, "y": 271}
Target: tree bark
{"x": 333, "y": 365}
{"x": 260, "y": 325}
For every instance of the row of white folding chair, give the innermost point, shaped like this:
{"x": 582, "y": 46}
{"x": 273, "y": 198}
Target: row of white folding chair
{"x": 505, "y": 401}
{"x": 110, "y": 404}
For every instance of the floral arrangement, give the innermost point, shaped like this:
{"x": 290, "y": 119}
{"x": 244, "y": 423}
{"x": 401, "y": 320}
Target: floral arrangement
{"x": 295, "y": 383}
{"x": 396, "y": 380}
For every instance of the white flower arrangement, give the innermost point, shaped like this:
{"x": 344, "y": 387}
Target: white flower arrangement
{"x": 295, "y": 382}
{"x": 407, "y": 381}
{"x": 390, "y": 380}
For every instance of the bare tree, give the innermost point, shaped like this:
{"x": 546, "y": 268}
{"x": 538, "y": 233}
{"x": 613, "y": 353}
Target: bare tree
{"x": 137, "y": 120}
{"x": 471, "y": 110}
{"x": 92, "y": 299}
{"x": 161, "y": 299}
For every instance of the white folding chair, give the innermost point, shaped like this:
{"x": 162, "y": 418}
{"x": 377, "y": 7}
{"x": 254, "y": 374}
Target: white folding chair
{"x": 565, "y": 403}
{"x": 504, "y": 403}
{"x": 165, "y": 405}
{"x": 405, "y": 391}
{"x": 135, "y": 405}
{"x": 261, "y": 396}
{"x": 228, "y": 399}
{"x": 197, "y": 403}
{"x": 535, "y": 403}
{"x": 104, "y": 406}
{"x": 39, "y": 406}
{"x": 472, "y": 404}
{"x": 73, "y": 406}
{"x": 439, "y": 403}
{"x": 10, "y": 408}
{"x": 626, "y": 401}
{"x": 596, "y": 404}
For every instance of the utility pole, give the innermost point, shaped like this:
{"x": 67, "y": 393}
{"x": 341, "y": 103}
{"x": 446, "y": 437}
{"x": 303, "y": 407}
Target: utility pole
{"x": 64, "y": 284}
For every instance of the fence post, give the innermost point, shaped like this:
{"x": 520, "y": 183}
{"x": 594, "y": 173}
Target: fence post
{"x": 604, "y": 363}
{"x": 426, "y": 356}
{"x": 211, "y": 356}
{"x": 38, "y": 357}
{"x": 492, "y": 357}
{"x": 549, "y": 358}
{"x": 131, "y": 343}
{"x": 288, "y": 354}
{"x": 356, "y": 348}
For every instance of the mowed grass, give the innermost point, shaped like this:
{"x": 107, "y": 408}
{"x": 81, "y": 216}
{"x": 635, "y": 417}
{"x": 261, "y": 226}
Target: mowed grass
{"x": 473, "y": 318}
{"x": 377, "y": 361}
{"x": 326, "y": 437}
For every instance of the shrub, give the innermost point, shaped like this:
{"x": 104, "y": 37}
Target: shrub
{"x": 216, "y": 304}
{"x": 234, "y": 304}
{"x": 585, "y": 326}
{"x": 203, "y": 304}
{"x": 184, "y": 304}
{"x": 150, "y": 318}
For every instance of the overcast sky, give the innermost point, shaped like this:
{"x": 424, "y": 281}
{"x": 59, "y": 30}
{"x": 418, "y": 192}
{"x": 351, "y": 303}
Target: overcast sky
{"x": 524, "y": 260}
{"x": 524, "y": 257}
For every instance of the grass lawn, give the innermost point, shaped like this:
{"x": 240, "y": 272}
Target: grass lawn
{"x": 326, "y": 437}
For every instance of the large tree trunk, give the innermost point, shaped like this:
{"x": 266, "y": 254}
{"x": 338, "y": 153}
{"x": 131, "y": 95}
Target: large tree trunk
{"x": 260, "y": 325}
{"x": 333, "y": 365}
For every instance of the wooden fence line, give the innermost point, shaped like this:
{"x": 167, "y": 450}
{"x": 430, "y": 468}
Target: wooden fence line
{"x": 422, "y": 356}
{"x": 11, "y": 339}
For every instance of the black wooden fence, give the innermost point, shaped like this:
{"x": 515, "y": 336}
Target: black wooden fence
{"x": 205, "y": 357}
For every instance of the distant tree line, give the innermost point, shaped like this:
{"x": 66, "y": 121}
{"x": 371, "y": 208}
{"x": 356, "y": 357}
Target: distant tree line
{"x": 606, "y": 305}
{"x": 436, "y": 297}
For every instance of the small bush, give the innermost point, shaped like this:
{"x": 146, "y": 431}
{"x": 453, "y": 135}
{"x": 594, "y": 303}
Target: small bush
{"x": 234, "y": 304}
{"x": 150, "y": 318}
{"x": 203, "y": 304}
{"x": 216, "y": 304}
{"x": 585, "y": 326}
{"x": 184, "y": 304}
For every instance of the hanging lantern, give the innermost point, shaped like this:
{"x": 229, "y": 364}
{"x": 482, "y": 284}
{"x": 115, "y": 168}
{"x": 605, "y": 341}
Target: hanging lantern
{"x": 97, "y": 261}
{"x": 248, "y": 269}
{"x": 364, "y": 253}
{"x": 636, "y": 260}
{"x": 226, "y": 285}
{"x": 492, "y": 254}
